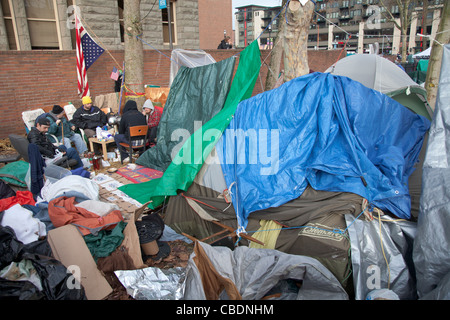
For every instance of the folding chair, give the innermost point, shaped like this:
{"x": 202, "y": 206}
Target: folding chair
{"x": 138, "y": 140}
{"x": 29, "y": 119}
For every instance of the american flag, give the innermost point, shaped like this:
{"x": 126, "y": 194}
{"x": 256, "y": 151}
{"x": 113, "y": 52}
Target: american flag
{"x": 87, "y": 52}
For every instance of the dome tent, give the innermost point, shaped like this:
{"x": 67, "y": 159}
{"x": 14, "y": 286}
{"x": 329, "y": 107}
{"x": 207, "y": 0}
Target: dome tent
{"x": 378, "y": 73}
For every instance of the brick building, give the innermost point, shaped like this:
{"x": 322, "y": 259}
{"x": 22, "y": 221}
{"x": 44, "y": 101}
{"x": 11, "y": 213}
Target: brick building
{"x": 34, "y": 79}
{"x": 39, "y": 61}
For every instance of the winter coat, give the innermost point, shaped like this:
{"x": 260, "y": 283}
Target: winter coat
{"x": 224, "y": 45}
{"x": 89, "y": 119}
{"x": 131, "y": 117}
{"x": 56, "y": 130}
{"x": 46, "y": 148}
{"x": 154, "y": 118}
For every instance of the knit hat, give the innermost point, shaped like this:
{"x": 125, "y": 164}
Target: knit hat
{"x": 57, "y": 109}
{"x": 148, "y": 104}
{"x": 86, "y": 100}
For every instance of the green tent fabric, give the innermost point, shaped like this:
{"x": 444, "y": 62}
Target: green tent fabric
{"x": 14, "y": 173}
{"x": 420, "y": 74}
{"x": 183, "y": 169}
{"x": 196, "y": 95}
{"x": 414, "y": 98}
{"x": 422, "y": 65}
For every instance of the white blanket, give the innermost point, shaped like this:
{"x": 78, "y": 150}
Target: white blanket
{"x": 26, "y": 228}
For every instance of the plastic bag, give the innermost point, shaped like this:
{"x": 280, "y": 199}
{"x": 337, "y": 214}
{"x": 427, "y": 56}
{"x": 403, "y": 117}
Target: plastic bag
{"x": 57, "y": 282}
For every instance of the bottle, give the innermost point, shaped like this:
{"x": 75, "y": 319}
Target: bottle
{"x": 98, "y": 133}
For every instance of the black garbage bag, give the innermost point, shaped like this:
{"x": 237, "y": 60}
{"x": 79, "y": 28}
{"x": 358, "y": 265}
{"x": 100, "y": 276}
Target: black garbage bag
{"x": 19, "y": 290}
{"x": 57, "y": 282}
{"x": 10, "y": 247}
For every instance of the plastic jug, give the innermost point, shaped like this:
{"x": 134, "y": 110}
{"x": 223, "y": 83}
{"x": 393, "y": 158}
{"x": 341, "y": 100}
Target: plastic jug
{"x": 98, "y": 133}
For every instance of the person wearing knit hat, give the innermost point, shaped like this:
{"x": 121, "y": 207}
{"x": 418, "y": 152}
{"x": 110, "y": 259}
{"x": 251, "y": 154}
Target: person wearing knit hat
{"x": 64, "y": 130}
{"x": 88, "y": 117}
{"x": 86, "y": 100}
{"x": 153, "y": 117}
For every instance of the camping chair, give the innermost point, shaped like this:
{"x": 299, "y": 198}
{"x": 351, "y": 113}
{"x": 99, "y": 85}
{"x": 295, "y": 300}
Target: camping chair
{"x": 29, "y": 119}
{"x": 20, "y": 143}
{"x": 138, "y": 140}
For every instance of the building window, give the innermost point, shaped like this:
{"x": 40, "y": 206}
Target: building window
{"x": 165, "y": 24}
{"x": 41, "y": 17}
{"x": 11, "y": 31}
{"x": 121, "y": 23}
{"x": 42, "y": 24}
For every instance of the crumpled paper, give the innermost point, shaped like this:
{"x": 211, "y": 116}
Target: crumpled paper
{"x": 154, "y": 283}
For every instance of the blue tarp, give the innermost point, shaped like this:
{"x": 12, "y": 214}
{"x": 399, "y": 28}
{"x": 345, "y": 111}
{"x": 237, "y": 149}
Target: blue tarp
{"x": 327, "y": 131}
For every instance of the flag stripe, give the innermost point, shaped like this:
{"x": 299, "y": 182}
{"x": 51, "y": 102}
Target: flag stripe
{"x": 88, "y": 52}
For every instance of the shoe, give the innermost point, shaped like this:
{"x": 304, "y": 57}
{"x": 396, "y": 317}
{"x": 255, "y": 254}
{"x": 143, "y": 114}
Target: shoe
{"x": 127, "y": 159}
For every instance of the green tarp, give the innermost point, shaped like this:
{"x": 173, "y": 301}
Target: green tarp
{"x": 196, "y": 95}
{"x": 182, "y": 170}
{"x": 15, "y": 172}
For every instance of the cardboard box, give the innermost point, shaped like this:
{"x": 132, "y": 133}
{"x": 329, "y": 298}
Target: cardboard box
{"x": 69, "y": 247}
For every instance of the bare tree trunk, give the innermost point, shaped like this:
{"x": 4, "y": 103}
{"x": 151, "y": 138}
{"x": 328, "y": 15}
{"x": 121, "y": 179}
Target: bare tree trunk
{"x": 134, "y": 54}
{"x": 434, "y": 65}
{"x": 404, "y": 46}
{"x": 296, "y": 39}
{"x": 291, "y": 42}
{"x": 275, "y": 61}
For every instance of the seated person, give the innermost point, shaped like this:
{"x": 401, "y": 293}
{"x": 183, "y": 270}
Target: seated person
{"x": 131, "y": 117}
{"x": 89, "y": 117}
{"x": 49, "y": 152}
{"x": 63, "y": 130}
{"x": 153, "y": 117}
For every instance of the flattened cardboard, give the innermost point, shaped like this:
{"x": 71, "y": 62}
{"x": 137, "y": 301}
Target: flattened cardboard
{"x": 69, "y": 247}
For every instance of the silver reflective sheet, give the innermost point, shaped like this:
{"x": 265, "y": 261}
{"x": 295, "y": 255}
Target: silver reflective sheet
{"x": 154, "y": 283}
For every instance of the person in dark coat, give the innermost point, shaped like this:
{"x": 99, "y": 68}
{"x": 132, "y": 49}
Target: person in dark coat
{"x": 225, "y": 43}
{"x": 63, "y": 130}
{"x": 130, "y": 117}
{"x": 50, "y": 152}
{"x": 88, "y": 117}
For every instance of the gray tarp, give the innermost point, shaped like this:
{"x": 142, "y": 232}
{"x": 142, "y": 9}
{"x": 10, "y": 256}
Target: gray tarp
{"x": 256, "y": 273}
{"x": 381, "y": 256}
{"x": 431, "y": 246}
{"x": 188, "y": 58}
